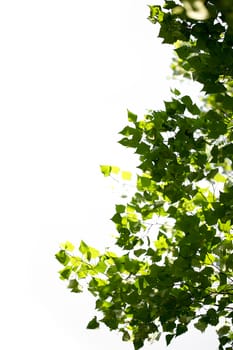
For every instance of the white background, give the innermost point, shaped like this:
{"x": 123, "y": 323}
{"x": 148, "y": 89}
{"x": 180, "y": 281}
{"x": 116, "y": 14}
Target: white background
{"x": 68, "y": 72}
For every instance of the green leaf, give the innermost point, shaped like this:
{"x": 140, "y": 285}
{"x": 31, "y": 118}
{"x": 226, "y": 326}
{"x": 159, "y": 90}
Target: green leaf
{"x": 224, "y": 340}
{"x": 65, "y": 273}
{"x": 156, "y": 14}
{"x": 201, "y": 325}
{"x": 110, "y": 322}
{"x": 126, "y": 336}
{"x": 225, "y": 227}
{"x": 169, "y": 338}
{"x": 87, "y": 251}
{"x": 183, "y": 51}
{"x": 100, "y": 267}
{"x": 175, "y": 92}
{"x": 120, "y": 208}
{"x": 93, "y": 324}
{"x": 117, "y": 219}
{"x": 62, "y": 257}
{"x": 128, "y": 131}
{"x": 209, "y": 259}
{"x": 94, "y": 253}
{"x": 132, "y": 117}
{"x": 210, "y": 217}
{"x": 139, "y": 252}
{"x": 192, "y": 108}
{"x": 223, "y": 330}
{"x": 83, "y": 248}
{"x": 181, "y": 328}
{"x": 74, "y": 286}
{"x": 187, "y": 101}
{"x": 213, "y": 88}
{"x": 212, "y": 317}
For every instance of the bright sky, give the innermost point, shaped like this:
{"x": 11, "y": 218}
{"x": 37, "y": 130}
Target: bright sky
{"x": 68, "y": 72}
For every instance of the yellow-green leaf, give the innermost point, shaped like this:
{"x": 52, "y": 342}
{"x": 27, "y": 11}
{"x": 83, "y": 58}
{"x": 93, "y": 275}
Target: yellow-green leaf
{"x": 115, "y": 169}
{"x": 67, "y": 246}
{"x": 219, "y": 178}
{"x": 161, "y": 243}
{"x": 126, "y": 175}
{"x": 209, "y": 259}
{"x": 106, "y": 169}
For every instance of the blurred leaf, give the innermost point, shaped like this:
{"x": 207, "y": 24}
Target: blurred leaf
{"x": 126, "y": 175}
{"x": 106, "y": 169}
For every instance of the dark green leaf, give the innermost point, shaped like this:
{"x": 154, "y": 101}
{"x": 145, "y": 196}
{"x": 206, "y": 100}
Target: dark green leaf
{"x": 212, "y": 317}
{"x": 93, "y": 324}
{"x": 169, "y": 338}
{"x": 201, "y": 325}
{"x": 65, "y": 273}
{"x": 62, "y": 257}
{"x": 181, "y": 328}
{"x": 74, "y": 286}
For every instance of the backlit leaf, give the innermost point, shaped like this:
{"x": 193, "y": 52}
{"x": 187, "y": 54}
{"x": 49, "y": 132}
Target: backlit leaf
{"x": 68, "y": 246}
{"x": 106, "y": 169}
{"x": 126, "y": 175}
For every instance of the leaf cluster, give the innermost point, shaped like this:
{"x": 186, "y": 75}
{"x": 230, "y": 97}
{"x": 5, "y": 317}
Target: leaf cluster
{"x": 175, "y": 234}
{"x": 203, "y": 48}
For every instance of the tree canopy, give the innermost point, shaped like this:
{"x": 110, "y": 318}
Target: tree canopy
{"x": 175, "y": 233}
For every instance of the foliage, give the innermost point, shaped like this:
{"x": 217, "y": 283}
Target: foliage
{"x": 175, "y": 234}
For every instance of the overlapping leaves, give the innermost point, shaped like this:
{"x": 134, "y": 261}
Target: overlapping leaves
{"x": 175, "y": 234}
